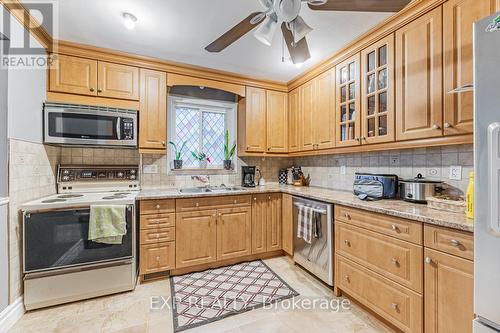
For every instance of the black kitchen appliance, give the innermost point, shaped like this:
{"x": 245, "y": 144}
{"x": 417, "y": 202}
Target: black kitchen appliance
{"x": 248, "y": 179}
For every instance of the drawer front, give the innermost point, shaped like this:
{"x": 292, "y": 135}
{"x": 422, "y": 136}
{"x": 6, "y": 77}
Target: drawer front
{"x": 454, "y": 242}
{"x": 197, "y": 204}
{"x": 157, "y": 221}
{"x": 407, "y": 230}
{"x": 157, "y": 206}
{"x": 395, "y": 259}
{"x": 152, "y": 236}
{"x": 400, "y": 306}
{"x": 157, "y": 257}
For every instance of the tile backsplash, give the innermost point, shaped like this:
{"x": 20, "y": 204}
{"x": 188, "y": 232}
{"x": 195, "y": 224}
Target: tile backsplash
{"x": 330, "y": 171}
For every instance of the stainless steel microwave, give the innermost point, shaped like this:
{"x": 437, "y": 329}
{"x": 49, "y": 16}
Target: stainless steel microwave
{"x": 66, "y": 124}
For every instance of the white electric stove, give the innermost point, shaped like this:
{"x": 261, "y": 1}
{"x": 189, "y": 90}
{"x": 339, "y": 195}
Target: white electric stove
{"x": 60, "y": 264}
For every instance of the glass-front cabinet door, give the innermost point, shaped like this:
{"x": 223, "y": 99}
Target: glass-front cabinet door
{"x": 377, "y": 92}
{"x": 348, "y": 105}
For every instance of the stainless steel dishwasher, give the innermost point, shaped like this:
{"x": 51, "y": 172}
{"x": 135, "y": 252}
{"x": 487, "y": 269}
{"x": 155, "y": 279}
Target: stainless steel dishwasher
{"x": 316, "y": 257}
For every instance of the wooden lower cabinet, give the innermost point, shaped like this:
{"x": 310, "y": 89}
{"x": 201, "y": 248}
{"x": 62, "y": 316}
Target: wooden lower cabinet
{"x": 157, "y": 257}
{"x": 287, "y": 223}
{"x": 449, "y": 288}
{"x": 400, "y": 306}
{"x": 196, "y": 234}
{"x": 266, "y": 223}
{"x": 234, "y": 232}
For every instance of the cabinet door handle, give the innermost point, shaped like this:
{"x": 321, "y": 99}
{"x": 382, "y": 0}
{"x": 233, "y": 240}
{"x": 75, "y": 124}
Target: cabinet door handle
{"x": 235, "y": 201}
{"x": 394, "y": 306}
{"x": 428, "y": 260}
{"x": 346, "y": 278}
{"x": 157, "y": 206}
{"x": 447, "y": 125}
{"x": 157, "y": 258}
{"x": 346, "y": 242}
{"x": 163, "y": 143}
{"x": 254, "y": 199}
{"x": 99, "y": 90}
{"x": 347, "y": 216}
{"x": 394, "y": 227}
{"x": 197, "y": 204}
{"x": 395, "y": 261}
{"x": 436, "y": 127}
{"x": 157, "y": 236}
{"x": 91, "y": 89}
{"x": 454, "y": 242}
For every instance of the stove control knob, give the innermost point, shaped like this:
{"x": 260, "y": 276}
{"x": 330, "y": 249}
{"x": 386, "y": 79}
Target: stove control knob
{"x": 132, "y": 172}
{"x": 119, "y": 174}
{"x": 132, "y": 177}
{"x": 66, "y": 172}
{"x": 65, "y": 178}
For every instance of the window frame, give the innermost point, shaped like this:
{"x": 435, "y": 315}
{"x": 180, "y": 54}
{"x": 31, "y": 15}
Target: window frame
{"x": 204, "y": 105}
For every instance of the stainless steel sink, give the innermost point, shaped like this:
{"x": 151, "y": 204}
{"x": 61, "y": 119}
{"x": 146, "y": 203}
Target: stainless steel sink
{"x": 227, "y": 189}
{"x": 195, "y": 190}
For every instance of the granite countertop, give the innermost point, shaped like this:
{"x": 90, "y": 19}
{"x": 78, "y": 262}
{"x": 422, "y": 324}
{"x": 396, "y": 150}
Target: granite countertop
{"x": 398, "y": 208}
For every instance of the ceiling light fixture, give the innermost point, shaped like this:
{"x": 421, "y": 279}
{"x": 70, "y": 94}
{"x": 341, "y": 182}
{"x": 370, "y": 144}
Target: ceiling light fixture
{"x": 317, "y": 2}
{"x": 299, "y": 28}
{"x": 129, "y": 20}
{"x": 265, "y": 32}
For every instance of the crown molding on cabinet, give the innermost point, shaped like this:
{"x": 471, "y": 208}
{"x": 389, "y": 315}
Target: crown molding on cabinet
{"x": 409, "y": 13}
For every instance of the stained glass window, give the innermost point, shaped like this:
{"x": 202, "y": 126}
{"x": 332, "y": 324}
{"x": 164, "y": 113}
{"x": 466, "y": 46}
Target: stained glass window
{"x": 203, "y": 130}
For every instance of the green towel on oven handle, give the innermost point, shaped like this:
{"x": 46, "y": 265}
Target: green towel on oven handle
{"x": 107, "y": 223}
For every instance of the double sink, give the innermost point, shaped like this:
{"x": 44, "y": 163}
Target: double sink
{"x": 211, "y": 189}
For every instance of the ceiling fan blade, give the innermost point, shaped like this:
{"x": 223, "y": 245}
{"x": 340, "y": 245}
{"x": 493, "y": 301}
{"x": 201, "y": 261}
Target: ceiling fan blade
{"x": 234, "y": 33}
{"x": 298, "y": 51}
{"x": 362, "y": 5}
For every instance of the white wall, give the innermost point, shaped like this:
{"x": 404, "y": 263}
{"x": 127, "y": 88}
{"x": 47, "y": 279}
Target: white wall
{"x": 4, "y": 265}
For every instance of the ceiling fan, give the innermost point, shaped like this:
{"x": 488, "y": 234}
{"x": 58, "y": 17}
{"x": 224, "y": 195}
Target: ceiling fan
{"x": 293, "y": 26}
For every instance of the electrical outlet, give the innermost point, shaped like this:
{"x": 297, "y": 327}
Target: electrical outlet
{"x": 456, "y": 172}
{"x": 149, "y": 169}
{"x": 343, "y": 170}
{"x": 394, "y": 161}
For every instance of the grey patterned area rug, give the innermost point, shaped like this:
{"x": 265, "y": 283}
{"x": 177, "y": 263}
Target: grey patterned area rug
{"x": 204, "y": 297}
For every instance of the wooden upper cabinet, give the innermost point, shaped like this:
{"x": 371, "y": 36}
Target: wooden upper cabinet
{"x": 277, "y": 121}
{"x": 307, "y": 102}
{"x": 294, "y": 123}
{"x": 255, "y": 120}
{"x": 347, "y": 106}
{"x": 117, "y": 81}
{"x": 74, "y": 75}
{"x": 377, "y": 92}
{"x": 153, "y": 110}
{"x": 234, "y": 232}
{"x": 458, "y": 17}
{"x": 419, "y": 94}
{"x": 324, "y": 113}
{"x": 449, "y": 289}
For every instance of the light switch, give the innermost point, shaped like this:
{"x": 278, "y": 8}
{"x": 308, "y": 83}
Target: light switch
{"x": 149, "y": 169}
{"x": 455, "y": 172}
{"x": 343, "y": 170}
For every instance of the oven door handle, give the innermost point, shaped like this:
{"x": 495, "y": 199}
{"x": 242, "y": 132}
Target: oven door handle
{"x": 119, "y": 128}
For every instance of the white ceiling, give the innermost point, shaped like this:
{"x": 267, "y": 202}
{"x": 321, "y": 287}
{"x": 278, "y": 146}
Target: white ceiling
{"x": 178, "y": 30}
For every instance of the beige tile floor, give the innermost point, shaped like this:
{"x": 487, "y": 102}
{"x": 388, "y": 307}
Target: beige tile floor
{"x": 130, "y": 312}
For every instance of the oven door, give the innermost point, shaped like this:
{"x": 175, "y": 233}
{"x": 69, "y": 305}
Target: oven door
{"x": 59, "y": 239}
{"x": 90, "y": 127}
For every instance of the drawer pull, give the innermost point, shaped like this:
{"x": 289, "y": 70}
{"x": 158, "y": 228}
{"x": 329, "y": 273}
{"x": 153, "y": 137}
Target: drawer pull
{"x": 197, "y": 204}
{"x": 346, "y": 242}
{"x": 157, "y": 236}
{"x": 235, "y": 201}
{"x": 428, "y": 260}
{"x": 395, "y": 261}
{"x": 269, "y": 197}
{"x": 158, "y": 258}
{"x": 394, "y": 306}
{"x": 157, "y": 206}
{"x": 395, "y": 227}
{"x": 347, "y": 216}
{"x": 347, "y": 278}
{"x": 454, "y": 242}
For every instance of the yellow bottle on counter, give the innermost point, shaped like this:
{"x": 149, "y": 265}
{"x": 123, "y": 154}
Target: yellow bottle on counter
{"x": 469, "y": 197}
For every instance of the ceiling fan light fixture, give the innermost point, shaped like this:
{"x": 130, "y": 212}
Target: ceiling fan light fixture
{"x": 299, "y": 29}
{"x": 317, "y": 2}
{"x": 265, "y": 32}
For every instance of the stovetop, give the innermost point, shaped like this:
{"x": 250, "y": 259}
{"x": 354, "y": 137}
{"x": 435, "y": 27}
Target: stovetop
{"x": 69, "y": 200}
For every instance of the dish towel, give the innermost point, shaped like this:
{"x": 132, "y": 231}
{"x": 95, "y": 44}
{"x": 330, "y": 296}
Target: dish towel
{"x": 107, "y": 224}
{"x": 306, "y": 223}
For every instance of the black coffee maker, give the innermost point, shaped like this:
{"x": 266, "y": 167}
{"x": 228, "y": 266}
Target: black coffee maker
{"x": 248, "y": 179}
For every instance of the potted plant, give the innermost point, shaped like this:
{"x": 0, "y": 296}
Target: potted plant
{"x": 178, "y": 154}
{"x": 228, "y": 153}
{"x": 202, "y": 158}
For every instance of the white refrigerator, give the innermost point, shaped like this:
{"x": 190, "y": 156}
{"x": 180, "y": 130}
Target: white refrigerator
{"x": 487, "y": 179}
